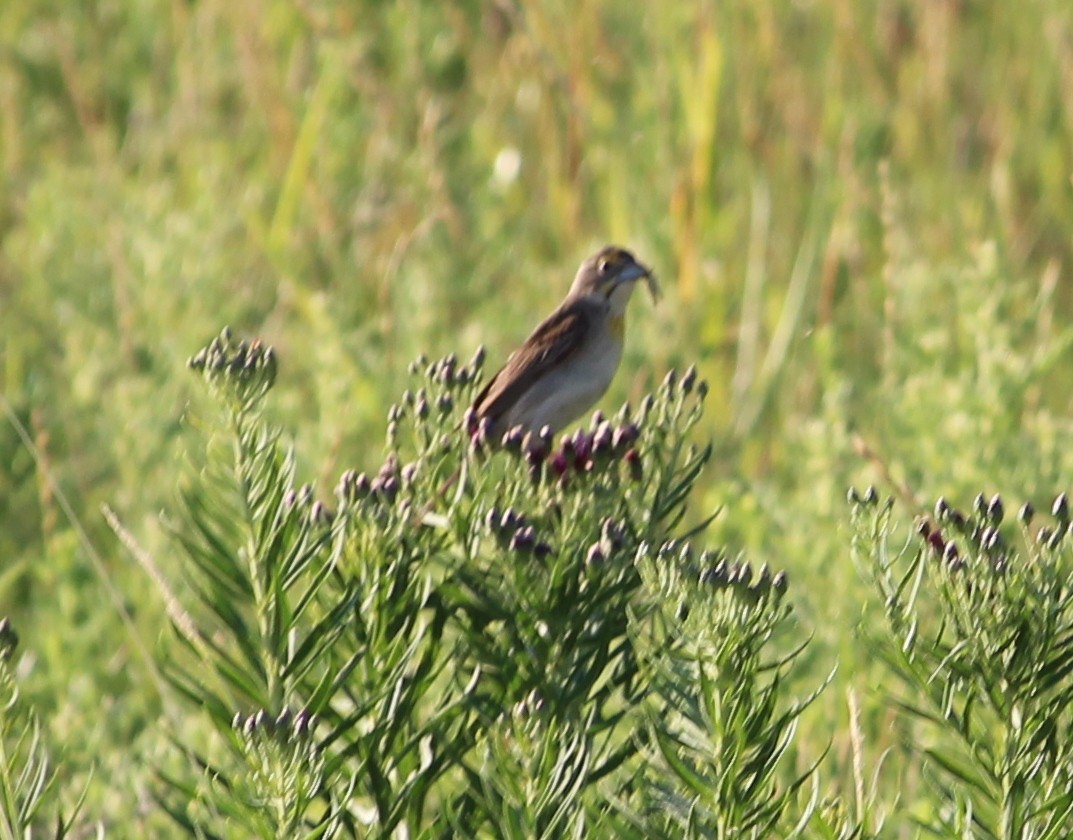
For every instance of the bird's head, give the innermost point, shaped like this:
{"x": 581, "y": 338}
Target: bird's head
{"x": 612, "y": 272}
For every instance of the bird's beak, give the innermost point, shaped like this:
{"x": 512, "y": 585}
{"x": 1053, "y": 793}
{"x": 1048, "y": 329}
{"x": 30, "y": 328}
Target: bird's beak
{"x": 635, "y": 271}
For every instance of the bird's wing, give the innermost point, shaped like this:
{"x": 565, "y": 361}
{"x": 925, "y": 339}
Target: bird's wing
{"x": 555, "y": 340}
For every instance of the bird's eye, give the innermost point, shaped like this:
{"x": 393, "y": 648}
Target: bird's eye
{"x": 604, "y": 266}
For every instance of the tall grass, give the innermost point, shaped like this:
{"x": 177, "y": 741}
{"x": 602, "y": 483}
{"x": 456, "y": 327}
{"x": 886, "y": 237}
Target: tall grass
{"x": 860, "y": 213}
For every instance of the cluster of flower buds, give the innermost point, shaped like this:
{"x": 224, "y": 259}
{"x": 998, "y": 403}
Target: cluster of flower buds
{"x": 513, "y": 530}
{"x": 712, "y": 568}
{"x": 9, "y": 639}
{"x": 941, "y": 546}
{"x": 869, "y": 498}
{"x": 739, "y": 577}
{"x": 288, "y": 725}
{"x": 249, "y": 367}
{"x": 980, "y": 530}
{"x": 613, "y": 538}
{"x": 446, "y": 384}
{"x": 581, "y": 452}
{"x": 673, "y": 384}
{"x": 1053, "y": 535}
{"x": 447, "y": 371}
{"x": 383, "y": 487}
{"x": 302, "y": 499}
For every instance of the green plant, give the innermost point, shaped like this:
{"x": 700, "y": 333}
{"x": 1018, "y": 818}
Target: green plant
{"x": 29, "y": 795}
{"x": 474, "y": 639}
{"x": 979, "y": 630}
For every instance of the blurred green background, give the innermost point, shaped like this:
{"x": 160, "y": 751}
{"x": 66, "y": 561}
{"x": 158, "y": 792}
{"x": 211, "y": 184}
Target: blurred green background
{"x": 861, "y": 213}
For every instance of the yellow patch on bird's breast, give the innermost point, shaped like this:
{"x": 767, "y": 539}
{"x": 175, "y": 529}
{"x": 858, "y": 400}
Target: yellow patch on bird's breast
{"x": 618, "y": 326}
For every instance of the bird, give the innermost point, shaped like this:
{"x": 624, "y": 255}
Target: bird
{"x": 569, "y": 360}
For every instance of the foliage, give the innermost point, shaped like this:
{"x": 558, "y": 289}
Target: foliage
{"x": 859, "y": 213}
{"x": 478, "y": 633}
{"x": 981, "y": 636}
{"x": 29, "y": 794}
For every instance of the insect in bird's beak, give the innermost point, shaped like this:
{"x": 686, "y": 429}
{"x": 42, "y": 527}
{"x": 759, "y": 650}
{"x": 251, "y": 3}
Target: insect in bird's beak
{"x": 653, "y": 286}
{"x": 635, "y": 272}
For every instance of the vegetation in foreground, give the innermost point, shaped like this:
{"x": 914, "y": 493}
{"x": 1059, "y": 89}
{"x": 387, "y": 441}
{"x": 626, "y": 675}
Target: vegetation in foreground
{"x": 860, "y": 213}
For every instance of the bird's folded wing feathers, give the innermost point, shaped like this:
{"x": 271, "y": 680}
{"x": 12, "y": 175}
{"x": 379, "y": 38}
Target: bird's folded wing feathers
{"x": 555, "y": 340}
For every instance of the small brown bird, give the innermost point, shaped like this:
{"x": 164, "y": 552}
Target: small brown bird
{"x": 568, "y": 362}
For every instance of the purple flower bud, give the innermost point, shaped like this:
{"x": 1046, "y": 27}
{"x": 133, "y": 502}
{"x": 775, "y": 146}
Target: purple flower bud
{"x": 522, "y": 539}
{"x": 763, "y": 580}
{"x": 320, "y": 514}
{"x": 595, "y": 555}
{"x": 597, "y": 419}
{"x": 446, "y": 373}
{"x": 633, "y": 462}
{"x": 689, "y": 378}
{"x": 534, "y": 448}
{"x": 389, "y": 488}
{"x": 611, "y": 534}
{"x": 346, "y": 483}
{"x": 303, "y": 723}
{"x": 625, "y": 436}
{"x": 990, "y": 538}
{"x": 509, "y": 520}
{"x": 513, "y": 438}
{"x": 601, "y": 439}
{"x": 582, "y": 449}
{"x": 559, "y": 464}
